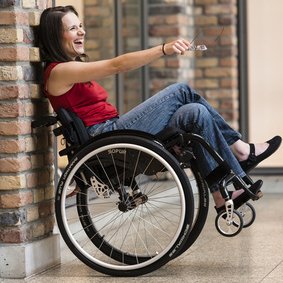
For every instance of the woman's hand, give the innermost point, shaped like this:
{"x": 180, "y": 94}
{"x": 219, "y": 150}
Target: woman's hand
{"x": 178, "y": 46}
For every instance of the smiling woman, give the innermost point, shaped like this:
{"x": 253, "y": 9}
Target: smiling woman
{"x": 73, "y": 35}
{"x": 58, "y": 31}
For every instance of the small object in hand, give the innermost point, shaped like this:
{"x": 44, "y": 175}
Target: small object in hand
{"x": 201, "y": 47}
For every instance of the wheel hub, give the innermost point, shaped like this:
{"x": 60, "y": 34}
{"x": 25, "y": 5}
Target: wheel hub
{"x": 132, "y": 202}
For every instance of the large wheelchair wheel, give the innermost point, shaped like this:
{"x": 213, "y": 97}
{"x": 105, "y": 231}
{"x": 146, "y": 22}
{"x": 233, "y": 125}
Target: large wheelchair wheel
{"x": 116, "y": 214}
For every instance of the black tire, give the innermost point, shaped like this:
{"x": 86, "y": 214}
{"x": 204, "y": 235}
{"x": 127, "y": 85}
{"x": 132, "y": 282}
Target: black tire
{"x": 201, "y": 205}
{"x": 229, "y": 229}
{"x": 104, "y": 226}
{"x": 248, "y": 213}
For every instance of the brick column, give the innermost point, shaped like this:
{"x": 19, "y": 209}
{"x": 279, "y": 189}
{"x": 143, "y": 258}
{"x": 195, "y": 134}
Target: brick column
{"x": 99, "y": 22}
{"x": 170, "y": 20}
{"x": 216, "y": 72}
{"x": 213, "y": 73}
{"x": 27, "y": 244}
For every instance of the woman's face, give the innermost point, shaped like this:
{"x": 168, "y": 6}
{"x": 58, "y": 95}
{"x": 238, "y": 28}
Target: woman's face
{"x": 73, "y": 35}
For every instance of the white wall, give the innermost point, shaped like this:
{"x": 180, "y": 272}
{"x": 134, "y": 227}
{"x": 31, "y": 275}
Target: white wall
{"x": 78, "y": 4}
{"x": 265, "y": 61}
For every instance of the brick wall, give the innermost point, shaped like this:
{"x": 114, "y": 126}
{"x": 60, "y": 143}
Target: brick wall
{"x": 213, "y": 73}
{"x": 26, "y": 157}
{"x": 216, "y": 70}
{"x": 169, "y": 20}
{"x": 99, "y": 22}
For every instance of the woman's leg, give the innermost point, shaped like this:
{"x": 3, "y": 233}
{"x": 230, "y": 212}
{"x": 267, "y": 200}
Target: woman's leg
{"x": 164, "y": 104}
{"x": 196, "y": 118}
{"x": 164, "y": 109}
{"x": 191, "y": 113}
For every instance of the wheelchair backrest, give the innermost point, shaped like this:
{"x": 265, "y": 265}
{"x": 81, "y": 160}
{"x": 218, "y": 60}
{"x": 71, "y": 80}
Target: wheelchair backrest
{"x": 73, "y": 130}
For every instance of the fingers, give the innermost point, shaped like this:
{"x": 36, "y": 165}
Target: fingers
{"x": 180, "y": 46}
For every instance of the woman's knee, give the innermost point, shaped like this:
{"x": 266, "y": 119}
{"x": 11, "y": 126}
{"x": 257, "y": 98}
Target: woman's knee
{"x": 186, "y": 93}
{"x": 189, "y": 115}
{"x": 197, "y": 111}
{"x": 182, "y": 87}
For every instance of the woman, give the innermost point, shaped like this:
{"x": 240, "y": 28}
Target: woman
{"x": 69, "y": 82}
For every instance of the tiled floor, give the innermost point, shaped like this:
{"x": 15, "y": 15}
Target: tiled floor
{"x": 255, "y": 255}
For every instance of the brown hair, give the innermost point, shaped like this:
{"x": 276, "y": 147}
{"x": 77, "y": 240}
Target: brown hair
{"x": 50, "y": 34}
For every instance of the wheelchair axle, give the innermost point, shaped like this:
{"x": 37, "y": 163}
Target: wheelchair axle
{"x": 129, "y": 202}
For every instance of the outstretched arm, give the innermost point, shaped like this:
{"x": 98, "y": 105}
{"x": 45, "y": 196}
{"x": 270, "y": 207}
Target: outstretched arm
{"x": 64, "y": 75}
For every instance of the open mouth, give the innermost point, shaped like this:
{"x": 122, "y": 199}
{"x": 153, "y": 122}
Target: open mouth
{"x": 79, "y": 43}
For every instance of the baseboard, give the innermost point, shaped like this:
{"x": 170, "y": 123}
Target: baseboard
{"x": 24, "y": 260}
{"x": 270, "y": 171}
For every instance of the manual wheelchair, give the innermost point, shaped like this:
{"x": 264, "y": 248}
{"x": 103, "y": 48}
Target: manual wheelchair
{"x": 126, "y": 203}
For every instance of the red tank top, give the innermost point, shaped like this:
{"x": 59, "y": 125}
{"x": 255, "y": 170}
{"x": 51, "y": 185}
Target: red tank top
{"x": 87, "y": 100}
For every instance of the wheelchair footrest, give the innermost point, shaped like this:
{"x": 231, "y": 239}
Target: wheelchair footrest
{"x": 254, "y": 190}
{"x": 218, "y": 173}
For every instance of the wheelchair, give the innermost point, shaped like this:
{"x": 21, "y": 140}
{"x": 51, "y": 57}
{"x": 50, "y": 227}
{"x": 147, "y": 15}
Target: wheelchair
{"x": 126, "y": 203}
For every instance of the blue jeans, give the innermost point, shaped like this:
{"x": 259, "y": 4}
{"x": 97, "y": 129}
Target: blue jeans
{"x": 180, "y": 106}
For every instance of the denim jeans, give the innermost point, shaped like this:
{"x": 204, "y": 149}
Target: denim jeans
{"x": 180, "y": 106}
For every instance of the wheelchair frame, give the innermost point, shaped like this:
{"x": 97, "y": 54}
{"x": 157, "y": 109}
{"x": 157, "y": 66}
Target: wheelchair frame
{"x": 93, "y": 186}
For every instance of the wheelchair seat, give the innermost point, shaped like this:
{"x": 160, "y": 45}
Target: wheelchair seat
{"x": 75, "y": 132}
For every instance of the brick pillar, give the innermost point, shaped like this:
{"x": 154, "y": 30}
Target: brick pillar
{"x": 216, "y": 73}
{"x": 213, "y": 73}
{"x": 27, "y": 244}
{"x": 170, "y": 20}
{"x": 99, "y": 22}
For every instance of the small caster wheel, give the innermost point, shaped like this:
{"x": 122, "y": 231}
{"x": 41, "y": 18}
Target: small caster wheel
{"x": 226, "y": 227}
{"x": 248, "y": 214}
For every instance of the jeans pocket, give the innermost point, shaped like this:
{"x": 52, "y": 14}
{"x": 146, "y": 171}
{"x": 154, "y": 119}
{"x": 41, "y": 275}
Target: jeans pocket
{"x": 95, "y": 129}
{"x": 102, "y": 127}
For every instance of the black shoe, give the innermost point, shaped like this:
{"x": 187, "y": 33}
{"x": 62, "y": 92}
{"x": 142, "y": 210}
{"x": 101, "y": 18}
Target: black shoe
{"x": 253, "y": 160}
{"x": 245, "y": 196}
